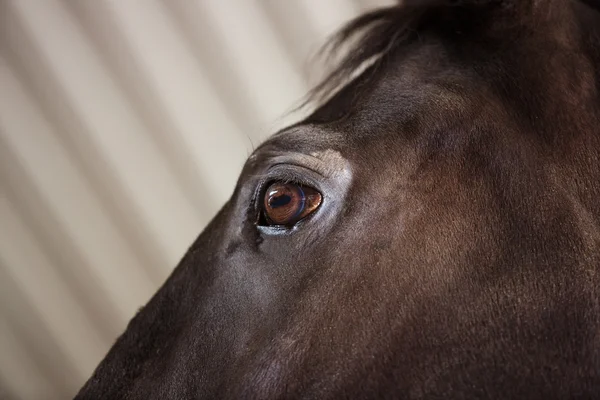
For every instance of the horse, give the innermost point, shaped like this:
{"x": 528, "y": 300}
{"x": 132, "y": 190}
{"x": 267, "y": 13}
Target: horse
{"x": 431, "y": 230}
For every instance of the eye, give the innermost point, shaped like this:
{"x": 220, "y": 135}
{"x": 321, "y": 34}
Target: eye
{"x": 287, "y": 203}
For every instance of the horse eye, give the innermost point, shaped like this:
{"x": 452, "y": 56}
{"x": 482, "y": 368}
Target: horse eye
{"x": 287, "y": 203}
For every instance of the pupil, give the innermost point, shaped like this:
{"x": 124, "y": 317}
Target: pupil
{"x": 280, "y": 201}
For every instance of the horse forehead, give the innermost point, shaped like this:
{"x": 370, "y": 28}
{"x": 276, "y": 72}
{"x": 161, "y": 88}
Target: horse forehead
{"x": 409, "y": 96}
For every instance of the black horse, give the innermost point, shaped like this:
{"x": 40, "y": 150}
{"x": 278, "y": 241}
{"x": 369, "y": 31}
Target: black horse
{"x": 431, "y": 231}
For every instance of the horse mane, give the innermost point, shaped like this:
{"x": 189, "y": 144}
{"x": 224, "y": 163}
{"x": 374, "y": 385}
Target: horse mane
{"x": 370, "y": 39}
{"x": 365, "y": 40}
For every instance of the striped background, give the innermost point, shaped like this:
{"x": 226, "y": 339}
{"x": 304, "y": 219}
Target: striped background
{"x": 123, "y": 126}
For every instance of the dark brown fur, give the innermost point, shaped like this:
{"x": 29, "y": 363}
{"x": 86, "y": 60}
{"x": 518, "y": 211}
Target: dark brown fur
{"x": 456, "y": 254}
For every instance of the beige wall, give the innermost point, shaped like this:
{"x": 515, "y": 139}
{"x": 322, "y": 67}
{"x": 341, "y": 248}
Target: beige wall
{"x": 123, "y": 126}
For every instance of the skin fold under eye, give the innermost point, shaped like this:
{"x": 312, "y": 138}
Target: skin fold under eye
{"x": 285, "y": 204}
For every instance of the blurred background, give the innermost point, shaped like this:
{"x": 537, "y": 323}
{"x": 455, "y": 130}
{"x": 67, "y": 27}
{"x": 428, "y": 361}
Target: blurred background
{"x": 123, "y": 127}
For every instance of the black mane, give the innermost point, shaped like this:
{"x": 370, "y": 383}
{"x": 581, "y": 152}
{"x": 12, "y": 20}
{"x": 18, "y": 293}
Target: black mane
{"x": 372, "y": 38}
{"x": 369, "y": 37}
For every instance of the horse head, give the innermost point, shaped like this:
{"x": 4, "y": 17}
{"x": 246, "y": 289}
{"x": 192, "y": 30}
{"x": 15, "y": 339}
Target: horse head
{"x": 431, "y": 230}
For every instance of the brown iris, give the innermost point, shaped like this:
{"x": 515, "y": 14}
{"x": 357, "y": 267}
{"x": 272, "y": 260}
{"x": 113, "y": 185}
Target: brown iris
{"x": 288, "y": 203}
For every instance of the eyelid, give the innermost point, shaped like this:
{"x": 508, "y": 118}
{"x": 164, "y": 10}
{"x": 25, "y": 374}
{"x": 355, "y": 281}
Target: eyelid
{"x": 294, "y": 164}
{"x": 289, "y": 173}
